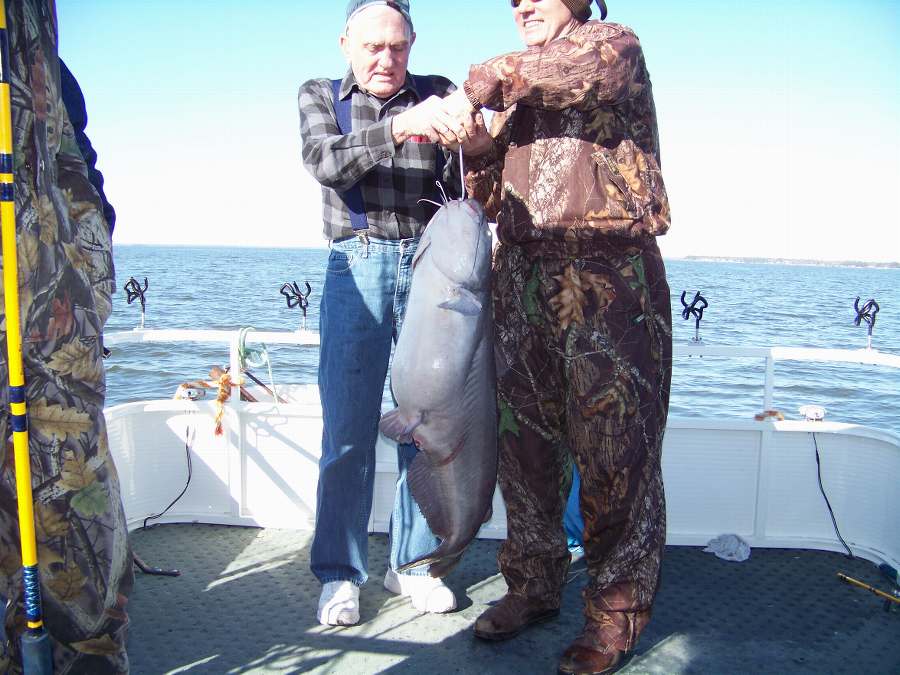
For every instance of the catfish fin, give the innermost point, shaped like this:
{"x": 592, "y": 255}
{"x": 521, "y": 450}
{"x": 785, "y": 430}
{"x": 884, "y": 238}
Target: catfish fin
{"x": 397, "y": 426}
{"x": 426, "y": 490}
{"x": 438, "y": 566}
{"x": 442, "y": 567}
{"x": 418, "y": 562}
{"x": 464, "y": 301}
{"x": 424, "y": 243}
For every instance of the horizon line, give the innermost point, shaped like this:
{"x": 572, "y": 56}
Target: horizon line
{"x": 703, "y": 257}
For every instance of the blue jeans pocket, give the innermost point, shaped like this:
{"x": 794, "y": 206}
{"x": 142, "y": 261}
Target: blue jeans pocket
{"x": 344, "y": 255}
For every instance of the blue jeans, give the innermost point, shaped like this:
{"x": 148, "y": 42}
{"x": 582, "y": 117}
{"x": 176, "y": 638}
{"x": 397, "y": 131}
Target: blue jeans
{"x": 363, "y": 302}
{"x": 573, "y": 523}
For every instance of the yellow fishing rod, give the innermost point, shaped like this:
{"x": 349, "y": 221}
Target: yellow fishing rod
{"x": 37, "y": 656}
{"x": 888, "y": 598}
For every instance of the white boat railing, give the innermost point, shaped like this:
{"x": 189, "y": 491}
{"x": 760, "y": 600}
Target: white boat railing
{"x": 866, "y": 356}
{"x": 305, "y": 338}
{"x": 759, "y": 479}
{"x": 231, "y": 339}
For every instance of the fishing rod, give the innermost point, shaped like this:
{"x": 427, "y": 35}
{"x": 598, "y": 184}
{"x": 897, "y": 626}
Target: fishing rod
{"x": 37, "y": 656}
{"x": 888, "y": 598}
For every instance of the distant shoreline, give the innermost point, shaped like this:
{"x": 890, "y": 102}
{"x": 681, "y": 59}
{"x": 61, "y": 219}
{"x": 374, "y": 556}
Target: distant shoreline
{"x": 691, "y": 258}
{"x": 791, "y": 261}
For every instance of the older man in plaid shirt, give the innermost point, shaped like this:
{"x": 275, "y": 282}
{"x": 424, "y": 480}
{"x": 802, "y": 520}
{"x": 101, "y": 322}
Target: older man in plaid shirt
{"x": 372, "y": 141}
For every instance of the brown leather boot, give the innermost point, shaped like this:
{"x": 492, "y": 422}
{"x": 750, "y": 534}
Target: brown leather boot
{"x": 581, "y": 660}
{"x": 510, "y": 616}
{"x": 605, "y": 643}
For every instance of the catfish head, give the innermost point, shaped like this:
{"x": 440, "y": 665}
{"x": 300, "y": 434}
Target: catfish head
{"x": 459, "y": 241}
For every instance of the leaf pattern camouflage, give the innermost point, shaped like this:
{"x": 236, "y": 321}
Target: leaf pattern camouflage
{"x": 583, "y": 317}
{"x": 576, "y": 152}
{"x": 65, "y": 284}
{"x": 589, "y": 378}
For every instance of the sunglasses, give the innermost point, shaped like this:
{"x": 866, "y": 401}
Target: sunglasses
{"x": 516, "y": 3}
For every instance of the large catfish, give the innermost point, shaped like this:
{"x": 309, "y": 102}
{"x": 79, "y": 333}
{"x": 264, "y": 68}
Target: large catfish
{"x": 443, "y": 380}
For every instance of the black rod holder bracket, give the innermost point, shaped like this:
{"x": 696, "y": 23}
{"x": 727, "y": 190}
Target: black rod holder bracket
{"x": 136, "y": 292}
{"x": 866, "y": 313}
{"x": 694, "y": 309}
{"x": 297, "y": 298}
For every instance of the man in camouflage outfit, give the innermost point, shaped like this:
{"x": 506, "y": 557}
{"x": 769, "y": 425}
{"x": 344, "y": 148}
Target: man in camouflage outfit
{"x": 65, "y": 284}
{"x": 583, "y": 318}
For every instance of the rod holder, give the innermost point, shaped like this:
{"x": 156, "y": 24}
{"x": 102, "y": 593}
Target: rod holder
{"x": 297, "y": 298}
{"x": 694, "y": 309}
{"x": 866, "y": 313}
{"x": 136, "y": 292}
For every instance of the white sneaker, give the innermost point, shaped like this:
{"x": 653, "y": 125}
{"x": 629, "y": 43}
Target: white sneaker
{"x": 426, "y": 593}
{"x": 339, "y": 604}
{"x": 576, "y": 553}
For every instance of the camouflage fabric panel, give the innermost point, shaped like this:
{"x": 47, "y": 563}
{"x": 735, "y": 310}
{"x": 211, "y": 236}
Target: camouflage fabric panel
{"x": 66, "y": 280}
{"x": 484, "y": 173}
{"x": 580, "y": 152}
{"x": 598, "y": 63}
{"x": 584, "y": 357}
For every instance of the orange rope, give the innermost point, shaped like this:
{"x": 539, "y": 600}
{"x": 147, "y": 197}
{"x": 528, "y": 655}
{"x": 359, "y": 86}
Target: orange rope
{"x": 225, "y": 383}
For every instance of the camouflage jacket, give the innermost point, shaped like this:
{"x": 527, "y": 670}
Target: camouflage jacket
{"x": 65, "y": 283}
{"x": 576, "y": 151}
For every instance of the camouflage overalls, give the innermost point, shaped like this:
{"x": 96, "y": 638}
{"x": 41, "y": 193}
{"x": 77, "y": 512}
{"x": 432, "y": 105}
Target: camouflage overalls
{"x": 65, "y": 283}
{"x": 583, "y": 317}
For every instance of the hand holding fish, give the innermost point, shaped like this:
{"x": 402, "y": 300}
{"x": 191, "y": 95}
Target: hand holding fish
{"x": 459, "y": 126}
{"x": 480, "y": 141}
{"x": 457, "y": 107}
{"x": 457, "y": 114}
{"x": 422, "y": 120}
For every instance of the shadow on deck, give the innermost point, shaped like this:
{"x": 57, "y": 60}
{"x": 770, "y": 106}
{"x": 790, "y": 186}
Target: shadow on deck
{"x": 246, "y": 603}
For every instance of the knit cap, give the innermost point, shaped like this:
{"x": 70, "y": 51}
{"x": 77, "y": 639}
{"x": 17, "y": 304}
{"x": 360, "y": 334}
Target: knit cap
{"x": 581, "y": 9}
{"x": 354, "y": 7}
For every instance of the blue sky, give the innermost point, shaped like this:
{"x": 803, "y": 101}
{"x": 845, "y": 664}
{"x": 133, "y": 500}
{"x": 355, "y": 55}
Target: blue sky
{"x": 778, "y": 119}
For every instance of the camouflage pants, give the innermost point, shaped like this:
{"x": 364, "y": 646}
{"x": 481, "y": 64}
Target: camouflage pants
{"x": 66, "y": 278}
{"x": 584, "y": 371}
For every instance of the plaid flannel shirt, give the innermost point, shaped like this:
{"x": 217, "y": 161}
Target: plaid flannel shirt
{"x": 393, "y": 178}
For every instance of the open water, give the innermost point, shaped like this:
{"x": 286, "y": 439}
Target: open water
{"x": 756, "y": 305}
